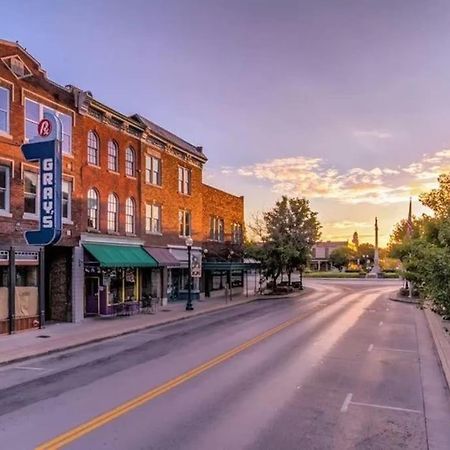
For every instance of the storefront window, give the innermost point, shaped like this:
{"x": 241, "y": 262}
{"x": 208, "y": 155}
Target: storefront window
{"x": 130, "y": 281}
{"x": 115, "y": 287}
{"x": 4, "y": 276}
{"x": 26, "y": 276}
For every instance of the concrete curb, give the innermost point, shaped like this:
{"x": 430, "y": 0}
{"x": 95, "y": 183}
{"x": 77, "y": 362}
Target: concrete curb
{"x": 441, "y": 342}
{"x": 146, "y": 327}
{"x": 404, "y": 300}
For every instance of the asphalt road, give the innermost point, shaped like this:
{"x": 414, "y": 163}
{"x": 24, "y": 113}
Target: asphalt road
{"x": 341, "y": 367}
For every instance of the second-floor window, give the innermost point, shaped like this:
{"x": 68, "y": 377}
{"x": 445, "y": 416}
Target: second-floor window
{"x": 184, "y": 180}
{"x": 130, "y": 162}
{"x": 67, "y": 200}
{"x": 93, "y": 149}
{"x": 34, "y": 113}
{"x": 92, "y": 209}
{"x": 130, "y": 216}
{"x": 5, "y": 188}
{"x": 184, "y": 221}
{"x": 152, "y": 170}
{"x": 237, "y": 233}
{"x": 153, "y": 218}
{"x": 30, "y": 191}
{"x": 216, "y": 229}
{"x": 4, "y": 110}
{"x": 113, "y": 156}
{"x": 113, "y": 213}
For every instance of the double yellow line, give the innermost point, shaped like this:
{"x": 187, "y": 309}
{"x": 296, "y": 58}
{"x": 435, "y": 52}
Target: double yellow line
{"x": 102, "y": 419}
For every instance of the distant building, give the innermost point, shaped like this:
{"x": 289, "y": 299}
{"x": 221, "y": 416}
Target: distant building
{"x": 321, "y": 254}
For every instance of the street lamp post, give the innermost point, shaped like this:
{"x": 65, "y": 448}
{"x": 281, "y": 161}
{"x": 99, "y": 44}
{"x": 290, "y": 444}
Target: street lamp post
{"x": 189, "y": 243}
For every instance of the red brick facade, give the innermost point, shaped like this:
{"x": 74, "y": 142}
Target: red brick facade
{"x": 85, "y": 176}
{"x": 144, "y": 137}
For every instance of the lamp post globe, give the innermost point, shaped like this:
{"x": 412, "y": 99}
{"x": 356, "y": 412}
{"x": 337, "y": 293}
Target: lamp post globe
{"x": 189, "y": 242}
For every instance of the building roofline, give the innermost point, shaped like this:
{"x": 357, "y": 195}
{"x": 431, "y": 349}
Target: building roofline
{"x": 221, "y": 190}
{"x": 137, "y": 120}
{"x": 24, "y": 50}
{"x": 169, "y": 136}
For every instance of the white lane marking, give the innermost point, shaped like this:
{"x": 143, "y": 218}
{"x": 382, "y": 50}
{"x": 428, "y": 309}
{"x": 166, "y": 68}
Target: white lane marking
{"x": 394, "y": 408}
{"x": 28, "y": 368}
{"x": 395, "y": 349}
{"x": 347, "y": 401}
{"x": 380, "y": 324}
{"x": 370, "y": 348}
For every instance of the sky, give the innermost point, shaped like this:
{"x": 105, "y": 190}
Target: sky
{"x": 344, "y": 102}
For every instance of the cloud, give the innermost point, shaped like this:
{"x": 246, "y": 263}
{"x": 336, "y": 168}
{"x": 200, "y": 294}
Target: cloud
{"x": 314, "y": 178}
{"x": 372, "y": 134}
{"x": 348, "y": 225}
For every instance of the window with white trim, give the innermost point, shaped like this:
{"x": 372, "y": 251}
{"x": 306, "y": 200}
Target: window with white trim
{"x": 113, "y": 213}
{"x": 152, "y": 170}
{"x": 92, "y": 209}
{"x": 5, "y": 188}
{"x": 67, "y": 200}
{"x": 130, "y": 216}
{"x": 184, "y": 221}
{"x": 113, "y": 156}
{"x": 130, "y": 162}
{"x": 30, "y": 191}
{"x": 34, "y": 113}
{"x": 184, "y": 180}
{"x": 237, "y": 233}
{"x": 216, "y": 229}
{"x": 4, "y": 110}
{"x": 93, "y": 149}
{"x": 153, "y": 218}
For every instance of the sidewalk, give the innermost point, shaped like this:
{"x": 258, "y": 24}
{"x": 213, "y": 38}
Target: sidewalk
{"x": 441, "y": 339}
{"x": 62, "y": 336}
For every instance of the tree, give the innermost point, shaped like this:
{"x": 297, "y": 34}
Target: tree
{"x": 287, "y": 233}
{"x": 340, "y": 257}
{"x": 425, "y": 253}
{"x": 438, "y": 200}
{"x": 401, "y": 231}
{"x": 366, "y": 251}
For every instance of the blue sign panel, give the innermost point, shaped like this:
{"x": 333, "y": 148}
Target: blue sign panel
{"x": 46, "y": 149}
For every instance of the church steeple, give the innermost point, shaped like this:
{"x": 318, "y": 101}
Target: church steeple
{"x": 409, "y": 223}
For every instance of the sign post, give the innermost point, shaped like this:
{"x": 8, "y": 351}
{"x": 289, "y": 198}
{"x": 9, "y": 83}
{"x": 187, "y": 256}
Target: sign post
{"x": 46, "y": 150}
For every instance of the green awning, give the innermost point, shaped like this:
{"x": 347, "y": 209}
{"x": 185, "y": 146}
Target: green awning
{"x": 120, "y": 255}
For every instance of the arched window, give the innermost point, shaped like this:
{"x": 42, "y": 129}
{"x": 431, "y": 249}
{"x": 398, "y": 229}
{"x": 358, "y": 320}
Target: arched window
{"x": 113, "y": 156}
{"x": 93, "y": 156}
{"x": 130, "y": 162}
{"x": 113, "y": 212}
{"x": 130, "y": 216}
{"x": 92, "y": 208}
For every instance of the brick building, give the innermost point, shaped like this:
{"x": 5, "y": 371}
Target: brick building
{"x": 321, "y": 252}
{"x": 132, "y": 193}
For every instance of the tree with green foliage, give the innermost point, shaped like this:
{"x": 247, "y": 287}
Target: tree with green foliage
{"x": 340, "y": 257}
{"x": 286, "y": 233}
{"x": 425, "y": 253}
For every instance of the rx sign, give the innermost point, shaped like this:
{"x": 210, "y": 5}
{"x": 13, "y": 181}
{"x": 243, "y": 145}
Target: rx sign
{"x": 46, "y": 149}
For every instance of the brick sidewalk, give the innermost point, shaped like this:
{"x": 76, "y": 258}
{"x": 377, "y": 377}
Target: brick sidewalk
{"x": 63, "y": 336}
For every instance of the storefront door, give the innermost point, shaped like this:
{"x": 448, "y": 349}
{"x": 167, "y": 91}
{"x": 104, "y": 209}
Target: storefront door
{"x": 92, "y": 296}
